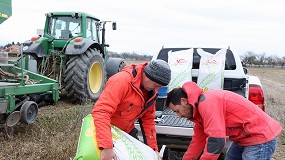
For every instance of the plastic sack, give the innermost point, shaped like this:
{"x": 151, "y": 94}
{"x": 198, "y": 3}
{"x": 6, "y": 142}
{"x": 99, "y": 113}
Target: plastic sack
{"x": 125, "y": 146}
{"x": 180, "y": 63}
{"x": 211, "y": 70}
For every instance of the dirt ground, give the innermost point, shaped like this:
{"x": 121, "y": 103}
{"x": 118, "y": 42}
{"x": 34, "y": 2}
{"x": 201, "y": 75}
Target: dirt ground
{"x": 55, "y": 133}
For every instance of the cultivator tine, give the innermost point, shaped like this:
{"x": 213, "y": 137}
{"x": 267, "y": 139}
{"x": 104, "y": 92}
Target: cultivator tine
{"x": 9, "y": 131}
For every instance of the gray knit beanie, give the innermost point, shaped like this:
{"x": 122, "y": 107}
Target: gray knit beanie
{"x": 158, "y": 71}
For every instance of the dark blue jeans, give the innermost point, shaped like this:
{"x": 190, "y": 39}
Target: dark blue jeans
{"x": 258, "y": 152}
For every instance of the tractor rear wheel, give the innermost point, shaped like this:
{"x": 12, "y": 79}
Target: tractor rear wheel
{"x": 85, "y": 76}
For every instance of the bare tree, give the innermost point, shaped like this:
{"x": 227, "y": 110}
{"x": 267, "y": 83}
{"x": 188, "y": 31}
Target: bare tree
{"x": 248, "y": 58}
{"x": 261, "y": 58}
{"x": 272, "y": 60}
{"x": 279, "y": 61}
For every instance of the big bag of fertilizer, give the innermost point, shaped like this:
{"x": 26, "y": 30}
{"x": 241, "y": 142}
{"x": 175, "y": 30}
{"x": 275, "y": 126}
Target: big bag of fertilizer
{"x": 211, "y": 69}
{"x": 125, "y": 146}
{"x": 180, "y": 63}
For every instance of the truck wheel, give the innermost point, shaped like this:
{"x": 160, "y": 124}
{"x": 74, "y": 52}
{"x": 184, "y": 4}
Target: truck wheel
{"x": 29, "y": 112}
{"x": 85, "y": 76}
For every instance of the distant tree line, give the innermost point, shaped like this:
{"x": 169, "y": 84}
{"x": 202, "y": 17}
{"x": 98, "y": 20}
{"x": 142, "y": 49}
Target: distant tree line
{"x": 262, "y": 60}
{"x": 130, "y": 56}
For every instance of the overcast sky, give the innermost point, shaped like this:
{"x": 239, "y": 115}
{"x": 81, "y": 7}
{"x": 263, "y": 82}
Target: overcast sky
{"x": 145, "y": 26}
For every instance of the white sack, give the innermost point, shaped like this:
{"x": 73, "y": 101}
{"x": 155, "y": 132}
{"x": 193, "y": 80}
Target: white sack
{"x": 211, "y": 70}
{"x": 180, "y": 63}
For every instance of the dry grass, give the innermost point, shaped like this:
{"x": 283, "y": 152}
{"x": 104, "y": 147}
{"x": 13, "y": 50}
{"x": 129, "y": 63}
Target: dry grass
{"x": 53, "y": 136}
{"x": 55, "y": 133}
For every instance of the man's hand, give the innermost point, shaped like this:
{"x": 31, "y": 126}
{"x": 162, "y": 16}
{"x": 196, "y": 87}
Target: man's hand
{"x": 108, "y": 154}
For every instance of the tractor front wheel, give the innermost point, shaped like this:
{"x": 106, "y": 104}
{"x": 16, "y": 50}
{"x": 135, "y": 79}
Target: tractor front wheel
{"x": 85, "y": 76}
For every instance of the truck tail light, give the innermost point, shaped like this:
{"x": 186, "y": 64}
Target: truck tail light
{"x": 256, "y": 96}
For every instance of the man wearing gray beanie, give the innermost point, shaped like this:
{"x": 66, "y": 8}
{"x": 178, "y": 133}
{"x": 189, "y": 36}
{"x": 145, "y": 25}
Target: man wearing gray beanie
{"x": 130, "y": 96}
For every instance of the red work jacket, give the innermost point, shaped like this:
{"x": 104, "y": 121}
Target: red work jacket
{"x": 122, "y": 103}
{"x": 221, "y": 113}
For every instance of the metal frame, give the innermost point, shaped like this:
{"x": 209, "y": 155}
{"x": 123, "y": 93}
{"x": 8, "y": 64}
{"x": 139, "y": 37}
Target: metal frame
{"x": 9, "y": 90}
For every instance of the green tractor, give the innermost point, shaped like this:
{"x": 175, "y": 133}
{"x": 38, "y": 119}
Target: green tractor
{"x": 72, "y": 50}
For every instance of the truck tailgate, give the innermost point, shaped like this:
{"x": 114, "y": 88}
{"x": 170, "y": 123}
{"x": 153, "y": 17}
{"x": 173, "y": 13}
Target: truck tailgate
{"x": 170, "y": 124}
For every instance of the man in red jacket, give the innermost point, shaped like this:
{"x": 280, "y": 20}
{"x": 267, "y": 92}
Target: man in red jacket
{"x": 129, "y": 96}
{"x": 221, "y": 113}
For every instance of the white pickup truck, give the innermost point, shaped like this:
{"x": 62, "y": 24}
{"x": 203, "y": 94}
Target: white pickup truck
{"x": 175, "y": 132}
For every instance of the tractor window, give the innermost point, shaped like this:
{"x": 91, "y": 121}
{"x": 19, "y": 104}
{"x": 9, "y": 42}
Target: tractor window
{"x": 91, "y": 30}
{"x": 64, "y": 27}
{"x": 75, "y": 28}
{"x": 95, "y": 31}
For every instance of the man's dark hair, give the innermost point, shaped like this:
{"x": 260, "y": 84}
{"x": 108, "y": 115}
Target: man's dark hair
{"x": 175, "y": 96}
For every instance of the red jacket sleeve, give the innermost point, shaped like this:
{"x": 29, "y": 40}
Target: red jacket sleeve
{"x": 149, "y": 127}
{"x": 197, "y": 144}
{"x": 213, "y": 117}
{"x": 103, "y": 110}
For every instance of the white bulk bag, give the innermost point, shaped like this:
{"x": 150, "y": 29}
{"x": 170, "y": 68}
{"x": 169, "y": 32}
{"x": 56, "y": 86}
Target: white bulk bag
{"x": 180, "y": 63}
{"x": 211, "y": 70}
